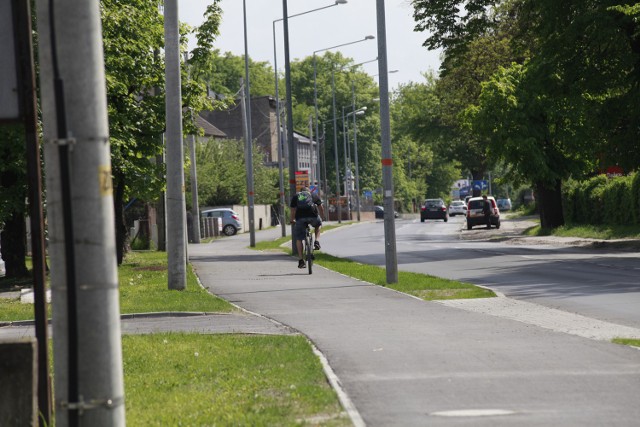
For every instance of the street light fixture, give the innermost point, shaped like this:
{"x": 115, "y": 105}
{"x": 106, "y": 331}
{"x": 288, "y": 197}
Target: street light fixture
{"x": 347, "y": 156}
{"x": 278, "y": 125}
{"x": 315, "y": 106}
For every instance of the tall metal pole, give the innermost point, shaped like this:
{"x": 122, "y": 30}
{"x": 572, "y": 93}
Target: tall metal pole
{"x": 283, "y": 226}
{"x": 22, "y": 9}
{"x": 335, "y": 143}
{"x": 315, "y": 110}
{"x": 176, "y": 215}
{"x": 89, "y": 386}
{"x": 346, "y": 167}
{"x": 312, "y": 173}
{"x": 195, "y": 209}
{"x": 275, "y": 66}
{"x": 391, "y": 258}
{"x": 325, "y": 180}
{"x": 355, "y": 147}
{"x": 293, "y": 155}
{"x": 249, "y": 137}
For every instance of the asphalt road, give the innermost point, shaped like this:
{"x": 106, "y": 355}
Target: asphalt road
{"x": 603, "y": 284}
{"x": 407, "y": 362}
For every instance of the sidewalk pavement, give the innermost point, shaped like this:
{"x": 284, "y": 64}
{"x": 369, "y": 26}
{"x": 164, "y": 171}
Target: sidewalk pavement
{"x": 406, "y": 362}
{"x": 401, "y": 361}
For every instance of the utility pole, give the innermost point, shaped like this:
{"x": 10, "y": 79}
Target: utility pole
{"x": 355, "y": 147}
{"x": 293, "y": 155}
{"x": 89, "y": 386}
{"x": 27, "y": 92}
{"x": 391, "y": 257}
{"x": 312, "y": 172}
{"x": 176, "y": 216}
{"x": 248, "y": 136}
{"x": 283, "y": 226}
{"x": 195, "y": 209}
{"x": 335, "y": 144}
{"x": 246, "y": 128}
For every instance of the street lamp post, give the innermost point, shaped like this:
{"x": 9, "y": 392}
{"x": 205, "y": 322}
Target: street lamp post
{"x": 347, "y": 159}
{"x": 278, "y": 125}
{"x": 315, "y": 106}
{"x": 335, "y": 144}
{"x": 346, "y": 164}
{"x": 249, "y": 138}
{"x": 391, "y": 257}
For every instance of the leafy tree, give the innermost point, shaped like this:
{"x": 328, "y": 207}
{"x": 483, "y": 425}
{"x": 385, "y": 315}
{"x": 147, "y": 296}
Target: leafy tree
{"x": 133, "y": 34}
{"x": 222, "y": 174}
{"x": 594, "y": 49}
{"x": 452, "y": 24}
{"x": 346, "y": 77}
{"x": 527, "y": 129}
{"x": 13, "y": 192}
{"x": 222, "y": 73}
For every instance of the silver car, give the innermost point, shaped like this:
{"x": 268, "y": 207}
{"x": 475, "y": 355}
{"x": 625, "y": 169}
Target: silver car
{"x": 457, "y": 207}
{"x": 231, "y": 223}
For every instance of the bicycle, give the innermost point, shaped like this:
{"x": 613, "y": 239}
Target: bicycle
{"x": 308, "y": 248}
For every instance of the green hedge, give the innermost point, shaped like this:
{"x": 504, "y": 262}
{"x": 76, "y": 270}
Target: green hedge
{"x": 602, "y": 200}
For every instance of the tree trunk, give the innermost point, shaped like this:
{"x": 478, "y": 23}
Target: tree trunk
{"x": 13, "y": 246}
{"x": 476, "y": 175}
{"x": 549, "y": 201}
{"x": 121, "y": 226}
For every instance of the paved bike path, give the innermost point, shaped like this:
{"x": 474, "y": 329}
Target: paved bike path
{"x": 407, "y": 362}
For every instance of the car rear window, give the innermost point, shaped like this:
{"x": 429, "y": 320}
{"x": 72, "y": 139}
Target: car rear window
{"x": 476, "y": 204}
{"x": 432, "y": 203}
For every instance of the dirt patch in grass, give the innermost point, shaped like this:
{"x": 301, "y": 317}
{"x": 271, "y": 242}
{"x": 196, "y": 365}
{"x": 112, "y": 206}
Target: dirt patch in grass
{"x": 151, "y": 268}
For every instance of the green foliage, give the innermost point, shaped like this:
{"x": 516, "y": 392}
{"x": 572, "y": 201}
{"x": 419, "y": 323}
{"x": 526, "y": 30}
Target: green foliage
{"x": 452, "y": 24}
{"x": 222, "y": 73}
{"x": 602, "y": 200}
{"x": 348, "y": 80}
{"x": 635, "y": 196}
{"x": 222, "y": 174}
{"x": 420, "y": 168}
{"x": 13, "y": 172}
{"x": 132, "y": 31}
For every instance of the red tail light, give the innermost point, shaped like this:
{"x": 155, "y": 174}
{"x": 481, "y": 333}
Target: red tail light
{"x": 236, "y": 217}
{"x": 443, "y": 208}
{"x": 423, "y": 208}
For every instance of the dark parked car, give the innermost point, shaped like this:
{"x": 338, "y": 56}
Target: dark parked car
{"x": 434, "y": 209}
{"x": 379, "y": 211}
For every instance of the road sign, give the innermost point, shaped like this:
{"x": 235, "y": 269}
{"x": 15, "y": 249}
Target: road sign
{"x": 302, "y": 180}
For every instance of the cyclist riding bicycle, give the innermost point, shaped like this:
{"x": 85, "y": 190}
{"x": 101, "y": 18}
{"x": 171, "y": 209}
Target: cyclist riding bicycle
{"x": 306, "y": 208}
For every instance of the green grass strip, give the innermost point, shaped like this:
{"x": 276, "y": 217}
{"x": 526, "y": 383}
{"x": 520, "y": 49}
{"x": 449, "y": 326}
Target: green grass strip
{"x": 143, "y": 281}
{"x": 197, "y": 380}
{"x": 144, "y": 288}
{"x": 420, "y": 285}
{"x": 627, "y": 341}
{"x": 603, "y": 232}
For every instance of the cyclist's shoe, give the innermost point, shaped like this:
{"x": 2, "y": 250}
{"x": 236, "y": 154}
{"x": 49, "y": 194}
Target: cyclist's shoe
{"x": 316, "y": 245}
{"x": 301, "y": 264}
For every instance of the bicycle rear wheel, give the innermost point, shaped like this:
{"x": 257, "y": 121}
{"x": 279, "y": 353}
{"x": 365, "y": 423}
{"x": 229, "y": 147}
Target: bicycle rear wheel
{"x": 309, "y": 250}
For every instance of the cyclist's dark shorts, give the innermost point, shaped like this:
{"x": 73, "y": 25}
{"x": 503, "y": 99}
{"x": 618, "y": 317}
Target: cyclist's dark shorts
{"x": 301, "y": 225}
